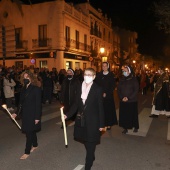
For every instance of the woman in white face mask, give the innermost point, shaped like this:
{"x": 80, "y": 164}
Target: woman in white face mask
{"x": 89, "y": 104}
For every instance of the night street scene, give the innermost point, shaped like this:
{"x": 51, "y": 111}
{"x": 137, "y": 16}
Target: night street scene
{"x": 85, "y": 84}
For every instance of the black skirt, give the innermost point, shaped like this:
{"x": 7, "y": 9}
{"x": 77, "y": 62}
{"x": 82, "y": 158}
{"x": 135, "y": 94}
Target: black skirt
{"x": 128, "y": 115}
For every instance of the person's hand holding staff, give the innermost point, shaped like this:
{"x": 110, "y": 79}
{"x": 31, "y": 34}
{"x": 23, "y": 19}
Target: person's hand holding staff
{"x": 5, "y": 107}
{"x": 64, "y": 126}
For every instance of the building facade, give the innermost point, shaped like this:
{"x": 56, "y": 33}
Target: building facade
{"x": 50, "y": 34}
{"x": 59, "y": 34}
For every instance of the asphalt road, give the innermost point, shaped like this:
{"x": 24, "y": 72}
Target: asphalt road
{"x": 149, "y": 149}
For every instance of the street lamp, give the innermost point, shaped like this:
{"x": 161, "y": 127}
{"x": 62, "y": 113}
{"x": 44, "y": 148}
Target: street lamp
{"x": 102, "y": 52}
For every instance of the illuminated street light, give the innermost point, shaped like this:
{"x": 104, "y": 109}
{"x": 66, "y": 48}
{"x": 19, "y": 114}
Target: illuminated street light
{"x": 134, "y": 61}
{"x": 102, "y": 50}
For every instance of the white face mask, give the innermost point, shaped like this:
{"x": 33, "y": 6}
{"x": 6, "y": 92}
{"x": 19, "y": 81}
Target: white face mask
{"x": 88, "y": 79}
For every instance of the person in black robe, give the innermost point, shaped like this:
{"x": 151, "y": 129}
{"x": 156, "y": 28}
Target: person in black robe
{"x": 69, "y": 89}
{"x": 106, "y": 80}
{"x": 128, "y": 88}
{"x": 161, "y": 97}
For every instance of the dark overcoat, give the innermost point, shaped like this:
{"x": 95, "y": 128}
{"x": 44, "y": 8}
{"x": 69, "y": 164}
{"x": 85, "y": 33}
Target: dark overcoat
{"x": 94, "y": 115}
{"x": 69, "y": 89}
{"x": 30, "y": 100}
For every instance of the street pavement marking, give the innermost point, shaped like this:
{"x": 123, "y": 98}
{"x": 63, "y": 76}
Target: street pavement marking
{"x": 50, "y": 116}
{"x": 79, "y": 167}
{"x": 168, "y": 134}
{"x": 144, "y": 123}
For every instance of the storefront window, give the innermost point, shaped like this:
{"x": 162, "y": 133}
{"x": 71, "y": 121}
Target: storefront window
{"x": 77, "y": 65}
{"x": 43, "y": 64}
{"x": 68, "y": 65}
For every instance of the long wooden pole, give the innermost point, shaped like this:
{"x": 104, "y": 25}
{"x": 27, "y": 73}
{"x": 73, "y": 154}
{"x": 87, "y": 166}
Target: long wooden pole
{"x": 64, "y": 127}
{"x": 5, "y": 107}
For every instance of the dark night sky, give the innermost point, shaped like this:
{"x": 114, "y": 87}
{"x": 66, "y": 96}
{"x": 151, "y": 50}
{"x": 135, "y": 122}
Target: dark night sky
{"x": 136, "y": 15}
{"x": 133, "y": 15}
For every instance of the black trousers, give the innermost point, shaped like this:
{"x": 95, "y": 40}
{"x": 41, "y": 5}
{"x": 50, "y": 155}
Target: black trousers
{"x": 9, "y": 102}
{"x": 31, "y": 140}
{"x": 90, "y": 154}
{"x": 47, "y": 94}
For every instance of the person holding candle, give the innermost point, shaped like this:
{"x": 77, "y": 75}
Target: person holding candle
{"x": 90, "y": 103}
{"x": 30, "y": 99}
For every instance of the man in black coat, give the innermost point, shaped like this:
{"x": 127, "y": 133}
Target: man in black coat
{"x": 69, "y": 89}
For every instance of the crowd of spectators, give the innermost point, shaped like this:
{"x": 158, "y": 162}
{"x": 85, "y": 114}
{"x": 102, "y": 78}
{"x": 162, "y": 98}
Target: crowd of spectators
{"x": 50, "y": 82}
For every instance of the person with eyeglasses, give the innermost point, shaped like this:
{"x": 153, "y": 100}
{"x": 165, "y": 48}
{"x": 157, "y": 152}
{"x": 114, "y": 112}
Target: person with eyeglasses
{"x": 107, "y": 81}
{"x": 128, "y": 88}
{"x": 90, "y": 103}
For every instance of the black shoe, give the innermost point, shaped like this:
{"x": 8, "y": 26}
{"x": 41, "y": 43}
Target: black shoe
{"x": 154, "y": 116}
{"x": 125, "y": 131}
{"x": 135, "y": 130}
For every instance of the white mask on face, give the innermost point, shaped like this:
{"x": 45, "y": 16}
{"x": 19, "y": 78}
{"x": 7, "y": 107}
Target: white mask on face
{"x": 88, "y": 79}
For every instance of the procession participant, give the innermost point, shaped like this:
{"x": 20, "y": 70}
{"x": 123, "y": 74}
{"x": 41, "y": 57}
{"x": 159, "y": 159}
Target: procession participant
{"x": 69, "y": 89}
{"x": 161, "y": 97}
{"x": 30, "y": 100}
{"x": 89, "y": 102}
{"x": 128, "y": 88}
{"x": 107, "y": 81}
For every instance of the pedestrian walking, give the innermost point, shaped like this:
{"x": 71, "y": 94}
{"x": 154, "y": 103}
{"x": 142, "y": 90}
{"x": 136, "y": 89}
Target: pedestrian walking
{"x": 128, "y": 88}
{"x": 69, "y": 89}
{"x": 31, "y": 111}
{"x": 161, "y": 97}
{"x": 106, "y": 80}
{"x": 89, "y": 103}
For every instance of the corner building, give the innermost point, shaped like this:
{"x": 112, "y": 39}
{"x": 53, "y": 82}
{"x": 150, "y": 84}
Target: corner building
{"x": 53, "y": 34}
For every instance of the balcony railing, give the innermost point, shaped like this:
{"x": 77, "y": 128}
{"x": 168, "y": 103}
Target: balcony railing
{"x": 95, "y": 32}
{"x": 70, "y": 43}
{"x": 38, "y": 43}
{"x": 23, "y": 44}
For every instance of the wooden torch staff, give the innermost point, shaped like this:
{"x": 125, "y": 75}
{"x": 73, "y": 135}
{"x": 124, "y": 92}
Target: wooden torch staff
{"x": 64, "y": 127}
{"x": 5, "y": 107}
